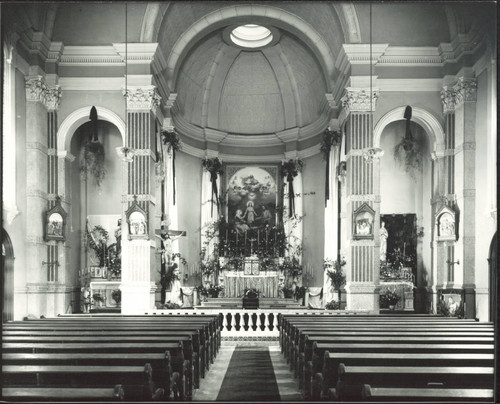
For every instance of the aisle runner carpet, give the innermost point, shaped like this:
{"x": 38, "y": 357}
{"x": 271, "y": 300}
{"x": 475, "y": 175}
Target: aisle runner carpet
{"x": 249, "y": 376}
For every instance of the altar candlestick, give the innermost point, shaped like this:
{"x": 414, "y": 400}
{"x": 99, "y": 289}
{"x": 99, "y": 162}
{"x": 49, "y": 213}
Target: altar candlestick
{"x": 258, "y": 236}
{"x": 236, "y": 236}
{"x": 245, "y": 238}
{"x": 226, "y": 235}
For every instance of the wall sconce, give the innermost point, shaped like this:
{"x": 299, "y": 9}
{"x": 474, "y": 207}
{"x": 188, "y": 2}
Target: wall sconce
{"x": 126, "y": 153}
{"x": 372, "y": 154}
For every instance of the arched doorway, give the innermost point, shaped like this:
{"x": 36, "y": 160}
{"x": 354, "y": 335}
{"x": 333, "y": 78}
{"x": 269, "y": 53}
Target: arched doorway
{"x": 494, "y": 278}
{"x": 7, "y": 286}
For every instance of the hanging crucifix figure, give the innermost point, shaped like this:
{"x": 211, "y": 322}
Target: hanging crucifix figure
{"x": 169, "y": 270}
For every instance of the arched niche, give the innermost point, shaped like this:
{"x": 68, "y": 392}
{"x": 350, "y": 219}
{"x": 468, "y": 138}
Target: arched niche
{"x": 77, "y": 118}
{"x": 424, "y": 118}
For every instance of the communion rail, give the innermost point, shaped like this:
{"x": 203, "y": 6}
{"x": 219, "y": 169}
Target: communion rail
{"x": 255, "y": 323}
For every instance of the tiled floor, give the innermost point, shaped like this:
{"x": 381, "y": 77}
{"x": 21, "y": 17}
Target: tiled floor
{"x": 210, "y": 385}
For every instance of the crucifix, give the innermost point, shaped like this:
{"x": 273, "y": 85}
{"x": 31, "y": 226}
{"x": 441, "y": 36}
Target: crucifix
{"x": 167, "y": 238}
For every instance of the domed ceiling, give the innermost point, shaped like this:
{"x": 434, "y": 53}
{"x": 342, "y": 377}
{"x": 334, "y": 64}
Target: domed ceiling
{"x": 242, "y": 91}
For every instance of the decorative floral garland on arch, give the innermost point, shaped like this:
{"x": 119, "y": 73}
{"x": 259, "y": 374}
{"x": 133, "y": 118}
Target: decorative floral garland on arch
{"x": 214, "y": 167}
{"x": 171, "y": 139}
{"x": 330, "y": 138}
{"x": 290, "y": 170}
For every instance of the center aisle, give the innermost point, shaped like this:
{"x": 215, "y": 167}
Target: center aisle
{"x": 250, "y": 376}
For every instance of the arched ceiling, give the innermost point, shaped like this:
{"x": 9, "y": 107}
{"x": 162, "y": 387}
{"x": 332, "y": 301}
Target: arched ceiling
{"x": 219, "y": 84}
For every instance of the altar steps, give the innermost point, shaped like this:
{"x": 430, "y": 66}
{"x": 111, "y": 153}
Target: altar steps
{"x": 237, "y": 303}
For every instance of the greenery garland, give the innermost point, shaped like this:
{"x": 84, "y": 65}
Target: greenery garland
{"x": 330, "y": 138}
{"x": 408, "y": 151}
{"x": 93, "y": 161}
{"x": 172, "y": 139}
{"x": 213, "y": 166}
{"x": 291, "y": 168}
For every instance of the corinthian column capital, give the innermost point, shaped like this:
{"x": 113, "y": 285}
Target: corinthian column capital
{"x": 359, "y": 99}
{"x": 142, "y": 98}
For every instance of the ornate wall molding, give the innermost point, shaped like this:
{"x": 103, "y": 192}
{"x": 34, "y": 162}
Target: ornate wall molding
{"x": 142, "y": 98}
{"x": 465, "y": 90}
{"x": 36, "y": 89}
{"x": 53, "y": 97}
{"x": 448, "y": 99}
{"x": 359, "y": 99}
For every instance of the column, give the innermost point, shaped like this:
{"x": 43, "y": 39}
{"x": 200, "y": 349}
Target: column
{"x": 138, "y": 260}
{"x": 465, "y": 188}
{"x": 42, "y": 270}
{"x": 362, "y": 186}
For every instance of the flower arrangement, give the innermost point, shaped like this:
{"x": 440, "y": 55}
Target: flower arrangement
{"x": 333, "y": 305}
{"x": 212, "y": 165}
{"x": 291, "y": 267}
{"x": 330, "y": 138}
{"x": 399, "y": 259}
{"x": 291, "y": 168}
{"x": 212, "y": 290}
{"x": 389, "y": 298}
{"x": 171, "y": 138}
{"x": 97, "y": 239}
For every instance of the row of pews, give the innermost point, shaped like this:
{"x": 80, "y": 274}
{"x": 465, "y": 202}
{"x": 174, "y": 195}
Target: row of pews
{"x": 107, "y": 358}
{"x": 389, "y": 358}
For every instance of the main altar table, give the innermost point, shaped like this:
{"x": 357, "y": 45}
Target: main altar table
{"x": 266, "y": 282}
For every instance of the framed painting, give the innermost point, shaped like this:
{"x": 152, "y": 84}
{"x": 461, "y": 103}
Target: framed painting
{"x": 55, "y": 224}
{"x": 252, "y": 196}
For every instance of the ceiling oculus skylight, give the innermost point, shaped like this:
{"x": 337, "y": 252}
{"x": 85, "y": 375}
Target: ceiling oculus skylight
{"x": 251, "y": 36}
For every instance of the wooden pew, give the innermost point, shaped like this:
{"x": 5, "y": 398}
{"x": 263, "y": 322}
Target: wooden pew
{"x": 307, "y": 351}
{"x": 205, "y": 355}
{"x": 332, "y": 362}
{"x": 294, "y": 329}
{"x": 291, "y": 329}
{"x": 377, "y": 344}
{"x": 326, "y": 377}
{"x": 209, "y": 334}
{"x": 64, "y": 394}
{"x": 449, "y": 377}
{"x": 297, "y": 343}
{"x": 178, "y": 379}
{"x": 400, "y": 394}
{"x": 197, "y": 356}
{"x": 137, "y": 380}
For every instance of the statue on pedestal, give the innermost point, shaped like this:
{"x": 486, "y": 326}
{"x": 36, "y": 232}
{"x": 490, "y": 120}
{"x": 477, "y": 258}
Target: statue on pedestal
{"x": 384, "y": 235}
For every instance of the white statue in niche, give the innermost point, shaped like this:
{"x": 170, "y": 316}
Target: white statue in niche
{"x": 384, "y": 235}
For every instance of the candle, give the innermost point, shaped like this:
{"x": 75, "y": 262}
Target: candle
{"x": 236, "y": 237}
{"x": 258, "y": 235}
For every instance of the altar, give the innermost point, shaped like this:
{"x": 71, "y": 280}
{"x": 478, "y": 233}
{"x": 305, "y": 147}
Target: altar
{"x": 267, "y": 283}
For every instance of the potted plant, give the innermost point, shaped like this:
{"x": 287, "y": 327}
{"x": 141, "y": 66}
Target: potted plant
{"x": 332, "y": 305}
{"x": 98, "y": 298}
{"x": 287, "y": 292}
{"x": 116, "y": 295}
{"x": 389, "y": 299}
{"x": 337, "y": 278}
{"x": 214, "y": 290}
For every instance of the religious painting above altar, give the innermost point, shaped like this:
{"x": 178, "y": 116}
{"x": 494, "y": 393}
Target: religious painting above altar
{"x": 252, "y": 222}
{"x": 252, "y": 196}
